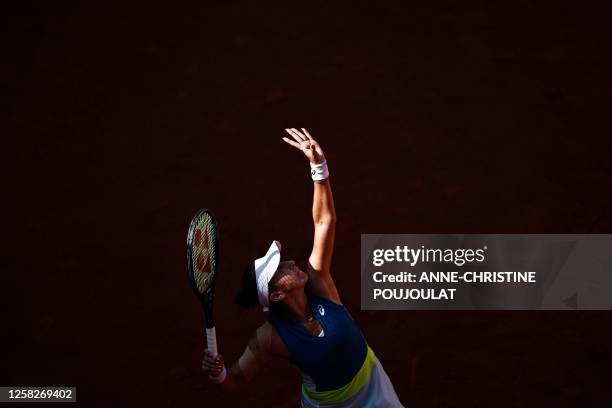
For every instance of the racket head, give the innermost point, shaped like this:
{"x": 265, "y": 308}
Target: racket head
{"x": 202, "y": 259}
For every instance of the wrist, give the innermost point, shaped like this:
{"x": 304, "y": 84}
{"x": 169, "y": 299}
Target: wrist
{"x": 219, "y": 378}
{"x": 319, "y": 171}
{"x": 317, "y": 160}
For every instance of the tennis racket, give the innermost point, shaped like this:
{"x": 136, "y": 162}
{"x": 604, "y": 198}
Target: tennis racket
{"x": 202, "y": 264}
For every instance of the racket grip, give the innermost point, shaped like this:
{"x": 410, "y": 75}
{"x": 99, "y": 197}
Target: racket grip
{"x": 211, "y": 340}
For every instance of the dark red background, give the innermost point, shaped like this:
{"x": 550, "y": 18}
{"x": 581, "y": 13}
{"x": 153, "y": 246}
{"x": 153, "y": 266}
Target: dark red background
{"x": 120, "y": 122}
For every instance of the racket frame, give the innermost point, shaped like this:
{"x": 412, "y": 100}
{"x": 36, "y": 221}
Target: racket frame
{"x": 207, "y": 298}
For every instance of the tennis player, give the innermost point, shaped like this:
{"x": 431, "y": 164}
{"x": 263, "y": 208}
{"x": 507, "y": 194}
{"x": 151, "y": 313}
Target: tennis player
{"x": 307, "y": 322}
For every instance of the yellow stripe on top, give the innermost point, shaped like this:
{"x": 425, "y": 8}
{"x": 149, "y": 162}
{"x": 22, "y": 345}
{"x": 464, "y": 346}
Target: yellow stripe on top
{"x": 347, "y": 391}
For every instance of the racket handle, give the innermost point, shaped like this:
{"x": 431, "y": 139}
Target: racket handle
{"x": 211, "y": 340}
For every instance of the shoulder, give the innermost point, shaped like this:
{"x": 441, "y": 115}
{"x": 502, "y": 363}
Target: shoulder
{"x": 269, "y": 340}
{"x": 263, "y": 336}
{"x": 322, "y": 284}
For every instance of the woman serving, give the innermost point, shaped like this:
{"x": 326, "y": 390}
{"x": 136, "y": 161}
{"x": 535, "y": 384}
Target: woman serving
{"x": 307, "y": 322}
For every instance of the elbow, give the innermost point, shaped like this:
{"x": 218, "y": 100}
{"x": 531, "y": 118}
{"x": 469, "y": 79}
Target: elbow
{"x": 326, "y": 221}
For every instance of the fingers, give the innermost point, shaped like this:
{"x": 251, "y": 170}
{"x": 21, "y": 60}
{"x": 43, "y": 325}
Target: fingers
{"x": 211, "y": 364}
{"x": 213, "y": 371}
{"x": 213, "y": 361}
{"x": 299, "y": 134}
{"x": 307, "y": 134}
{"x": 208, "y": 356}
{"x": 296, "y": 135}
{"x": 303, "y": 141}
{"x": 292, "y": 143}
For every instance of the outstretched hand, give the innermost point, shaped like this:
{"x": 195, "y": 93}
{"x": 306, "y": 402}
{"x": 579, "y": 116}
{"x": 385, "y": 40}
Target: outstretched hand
{"x": 304, "y": 142}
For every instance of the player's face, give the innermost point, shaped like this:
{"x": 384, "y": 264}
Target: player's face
{"x": 288, "y": 277}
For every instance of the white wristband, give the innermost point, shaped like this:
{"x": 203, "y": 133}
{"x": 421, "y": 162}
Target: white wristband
{"x": 319, "y": 171}
{"x": 220, "y": 378}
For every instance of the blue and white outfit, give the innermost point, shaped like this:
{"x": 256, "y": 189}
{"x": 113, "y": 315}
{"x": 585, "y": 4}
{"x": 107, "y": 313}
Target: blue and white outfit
{"x": 337, "y": 366}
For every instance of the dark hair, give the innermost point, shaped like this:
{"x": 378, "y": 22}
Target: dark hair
{"x": 247, "y": 296}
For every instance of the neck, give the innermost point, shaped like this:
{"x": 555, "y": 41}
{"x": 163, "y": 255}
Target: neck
{"x": 297, "y": 306}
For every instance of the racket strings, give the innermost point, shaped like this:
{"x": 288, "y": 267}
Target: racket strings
{"x": 202, "y": 255}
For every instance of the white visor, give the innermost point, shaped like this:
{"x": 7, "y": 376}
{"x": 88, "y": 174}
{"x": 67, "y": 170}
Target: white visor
{"x": 265, "y": 268}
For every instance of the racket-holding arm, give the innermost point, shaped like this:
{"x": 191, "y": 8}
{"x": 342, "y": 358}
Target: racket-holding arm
{"x": 213, "y": 362}
{"x": 214, "y": 366}
{"x": 243, "y": 371}
{"x": 229, "y": 380}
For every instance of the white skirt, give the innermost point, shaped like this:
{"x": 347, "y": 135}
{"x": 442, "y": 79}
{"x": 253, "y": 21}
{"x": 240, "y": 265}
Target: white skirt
{"x": 378, "y": 392}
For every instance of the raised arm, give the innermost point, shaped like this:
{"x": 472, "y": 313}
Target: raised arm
{"x": 323, "y": 216}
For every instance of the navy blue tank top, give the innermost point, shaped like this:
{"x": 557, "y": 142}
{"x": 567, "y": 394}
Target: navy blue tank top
{"x": 331, "y": 361}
